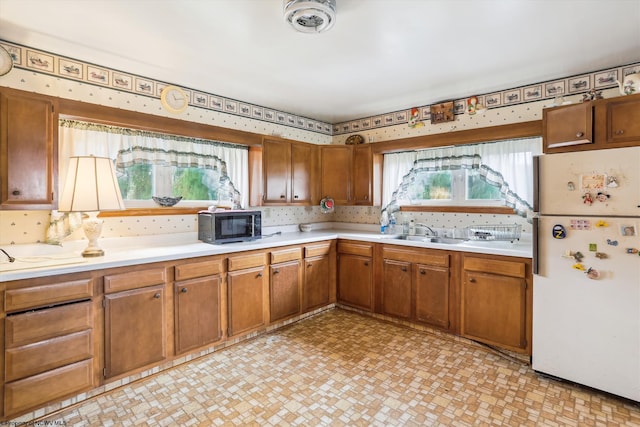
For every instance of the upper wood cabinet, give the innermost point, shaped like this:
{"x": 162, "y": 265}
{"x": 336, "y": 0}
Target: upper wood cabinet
{"x": 568, "y": 126}
{"x": 28, "y": 150}
{"x": 350, "y": 174}
{"x": 600, "y": 124}
{"x": 289, "y": 169}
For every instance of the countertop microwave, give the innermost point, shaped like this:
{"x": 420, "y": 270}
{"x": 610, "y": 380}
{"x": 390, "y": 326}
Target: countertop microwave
{"x": 229, "y": 226}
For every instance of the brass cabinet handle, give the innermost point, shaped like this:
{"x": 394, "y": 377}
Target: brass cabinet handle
{"x": 276, "y": 271}
{"x": 366, "y": 263}
{"x": 259, "y": 275}
{"x": 619, "y": 132}
{"x": 423, "y": 272}
{"x": 15, "y": 192}
{"x": 157, "y": 295}
{"x": 472, "y": 280}
{"x": 579, "y": 134}
{"x": 183, "y": 290}
{"x": 404, "y": 269}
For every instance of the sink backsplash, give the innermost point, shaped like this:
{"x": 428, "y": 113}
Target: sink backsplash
{"x": 19, "y": 227}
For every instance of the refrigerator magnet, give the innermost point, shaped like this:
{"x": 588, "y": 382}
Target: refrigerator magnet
{"x": 559, "y": 232}
{"x": 592, "y": 273}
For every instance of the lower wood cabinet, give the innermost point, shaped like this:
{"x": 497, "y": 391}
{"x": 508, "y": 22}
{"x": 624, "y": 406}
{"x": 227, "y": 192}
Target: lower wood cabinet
{"x": 318, "y": 282}
{"x": 197, "y": 312}
{"x": 416, "y": 285}
{"x": 496, "y": 301}
{"x": 198, "y": 303}
{"x": 284, "y": 290}
{"x": 135, "y": 329}
{"x": 135, "y": 320}
{"x": 247, "y": 293}
{"x": 355, "y": 274}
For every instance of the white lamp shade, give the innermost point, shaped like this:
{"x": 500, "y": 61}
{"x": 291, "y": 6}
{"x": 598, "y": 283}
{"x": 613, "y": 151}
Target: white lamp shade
{"x": 91, "y": 185}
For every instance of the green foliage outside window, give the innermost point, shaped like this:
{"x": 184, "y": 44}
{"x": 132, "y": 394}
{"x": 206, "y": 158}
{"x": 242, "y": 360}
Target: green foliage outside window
{"x": 136, "y": 183}
{"x": 478, "y": 189}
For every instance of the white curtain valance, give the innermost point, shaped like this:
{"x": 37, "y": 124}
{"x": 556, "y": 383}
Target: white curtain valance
{"x": 507, "y": 165}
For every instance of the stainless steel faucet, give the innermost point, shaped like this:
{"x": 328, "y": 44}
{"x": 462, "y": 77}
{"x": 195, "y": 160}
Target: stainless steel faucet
{"x": 11, "y": 259}
{"x": 425, "y": 226}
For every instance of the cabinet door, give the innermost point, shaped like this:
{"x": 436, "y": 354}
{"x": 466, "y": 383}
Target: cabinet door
{"x": 134, "y": 329}
{"x": 494, "y": 309}
{"x": 246, "y": 294}
{"x": 568, "y": 126}
{"x": 28, "y": 155}
{"x": 355, "y": 274}
{"x": 284, "y": 295}
{"x": 315, "y": 291}
{"x": 336, "y": 173}
{"x": 396, "y": 288}
{"x": 432, "y": 295}
{"x": 276, "y": 166}
{"x": 623, "y": 121}
{"x": 362, "y": 175}
{"x": 302, "y": 156}
{"x": 197, "y": 316}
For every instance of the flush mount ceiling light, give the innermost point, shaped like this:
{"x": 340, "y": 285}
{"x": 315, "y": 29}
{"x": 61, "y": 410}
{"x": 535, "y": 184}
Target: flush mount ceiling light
{"x": 310, "y": 16}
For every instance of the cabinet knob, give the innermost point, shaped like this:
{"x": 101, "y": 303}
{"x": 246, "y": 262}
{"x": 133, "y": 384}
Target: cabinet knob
{"x": 259, "y": 275}
{"x": 366, "y": 197}
{"x": 423, "y": 272}
{"x": 579, "y": 134}
{"x": 282, "y": 196}
{"x": 309, "y": 265}
{"x": 472, "y": 280}
{"x": 619, "y": 132}
{"x": 157, "y": 295}
{"x": 183, "y": 290}
{"x": 295, "y": 196}
{"x": 276, "y": 271}
{"x": 366, "y": 263}
{"x": 404, "y": 269}
{"x": 15, "y": 192}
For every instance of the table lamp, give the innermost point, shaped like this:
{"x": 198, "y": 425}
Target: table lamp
{"x": 91, "y": 186}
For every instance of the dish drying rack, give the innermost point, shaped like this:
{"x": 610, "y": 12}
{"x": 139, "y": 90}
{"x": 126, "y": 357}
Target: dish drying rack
{"x": 497, "y": 232}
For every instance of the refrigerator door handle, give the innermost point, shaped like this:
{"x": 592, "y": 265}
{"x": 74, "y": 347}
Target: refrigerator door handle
{"x": 535, "y": 237}
{"x": 536, "y": 183}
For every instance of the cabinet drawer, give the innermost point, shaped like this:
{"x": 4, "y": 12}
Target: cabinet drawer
{"x": 284, "y": 255}
{"x": 52, "y": 385}
{"x": 355, "y": 249}
{"x": 40, "y": 325}
{"x": 416, "y": 256}
{"x": 317, "y": 250}
{"x": 503, "y": 268}
{"x": 38, "y": 296}
{"x": 134, "y": 280}
{"x": 199, "y": 269}
{"x": 43, "y": 356}
{"x": 247, "y": 261}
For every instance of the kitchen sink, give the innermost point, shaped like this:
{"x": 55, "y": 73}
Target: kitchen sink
{"x": 428, "y": 239}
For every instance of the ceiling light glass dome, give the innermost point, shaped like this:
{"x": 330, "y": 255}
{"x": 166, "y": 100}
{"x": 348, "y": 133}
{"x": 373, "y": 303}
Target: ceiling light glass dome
{"x": 310, "y": 16}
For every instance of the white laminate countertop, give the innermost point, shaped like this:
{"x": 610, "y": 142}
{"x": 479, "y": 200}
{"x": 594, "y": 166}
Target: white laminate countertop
{"x": 41, "y": 260}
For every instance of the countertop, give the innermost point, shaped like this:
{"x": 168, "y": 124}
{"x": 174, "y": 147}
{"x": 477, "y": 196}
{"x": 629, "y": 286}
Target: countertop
{"x": 40, "y": 260}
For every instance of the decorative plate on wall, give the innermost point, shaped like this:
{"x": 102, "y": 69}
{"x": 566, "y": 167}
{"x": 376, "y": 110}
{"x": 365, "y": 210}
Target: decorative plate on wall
{"x": 6, "y": 62}
{"x": 327, "y": 205}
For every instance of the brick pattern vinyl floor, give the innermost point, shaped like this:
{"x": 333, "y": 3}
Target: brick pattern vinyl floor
{"x": 343, "y": 369}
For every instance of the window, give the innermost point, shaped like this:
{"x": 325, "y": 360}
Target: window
{"x": 490, "y": 174}
{"x": 152, "y": 164}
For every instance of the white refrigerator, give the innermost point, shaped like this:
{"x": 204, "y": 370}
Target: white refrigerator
{"x": 586, "y": 294}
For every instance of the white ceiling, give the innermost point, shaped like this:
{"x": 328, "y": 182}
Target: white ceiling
{"x": 381, "y": 55}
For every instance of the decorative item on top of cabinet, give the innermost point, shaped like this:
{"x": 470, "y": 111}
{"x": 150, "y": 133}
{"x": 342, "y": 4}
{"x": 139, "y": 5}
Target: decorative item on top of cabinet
{"x": 355, "y": 274}
{"x": 289, "y": 171}
{"x": 135, "y": 319}
{"x": 49, "y": 341}
{"x": 286, "y": 279}
{"x": 28, "y": 150}
{"x": 496, "y": 301}
{"x": 247, "y": 293}
{"x": 197, "y": 302}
